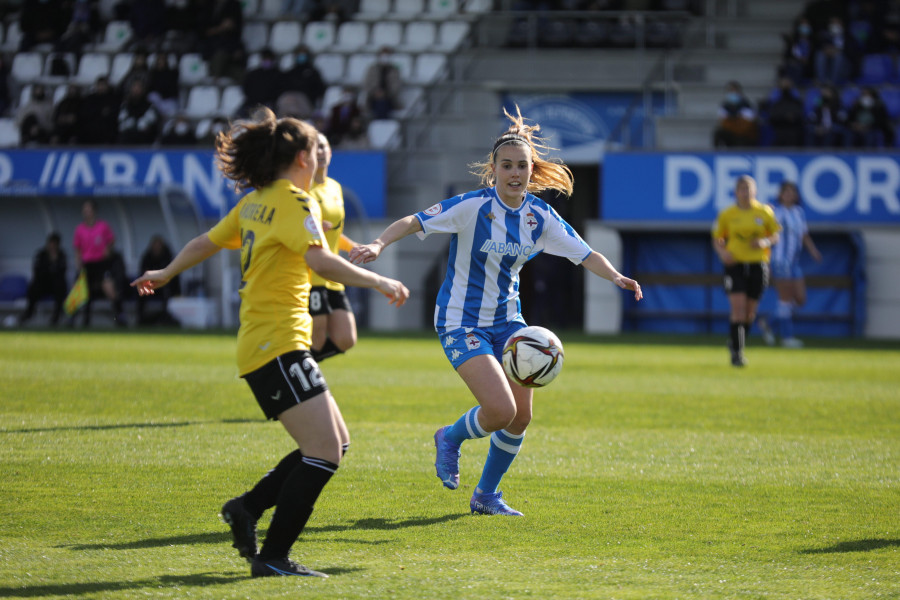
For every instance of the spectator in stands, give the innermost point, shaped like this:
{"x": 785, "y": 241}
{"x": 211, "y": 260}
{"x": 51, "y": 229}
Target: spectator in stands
{"x": 43, "y": 22}
{"x": 786, "y": 115}
{"x": 868, "y": 121}
{"x": 357, "y": 135}
{"x": 162, "y": 85}
{"x": 798, "y": 53}
{"x": 99, "y": 121}
{"x": 820, "y": 12}
{"x": 335, "y": 11}
{"x": 178, "y": 132}
{"x": 382, "y": 85}
{"x": 304, "y": 78}
{"x": 148, "y": 22}
{"x": 35, "y": 117}
{"x": 742, "y": 236}
{"x": 301, "y": 10}
{"x": 139, "y": 123}
{"x": 342, "y": 115}
{"x": 139, "y": 69}
{"x": 737, "y": 124}
{"x": 827, "y": 121}
{"x": 94, "y": 241}
{"x": 262, "y": 85}
{"x": 66, "y": 115}
{"x": 48, "y": 278}
{"x": 837, "y": 55}
{"x": 84, "y": 27}
{"x": 157, "y": 256}
{"x": 5, "y": 96}
{"x": 220, "y": 27}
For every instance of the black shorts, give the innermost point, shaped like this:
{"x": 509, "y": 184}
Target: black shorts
{"x": 322, "y": 301}
{"x": 747, "y": 278}
{"x": 286, "y": 381}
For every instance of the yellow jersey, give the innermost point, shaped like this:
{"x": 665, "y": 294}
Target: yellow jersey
{"x": 740, "y": 226}
{"x": 273, "y": 227}
{"x": 331, "y": 202}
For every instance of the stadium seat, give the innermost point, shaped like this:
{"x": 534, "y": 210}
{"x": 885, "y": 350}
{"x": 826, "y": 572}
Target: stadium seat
{"x": 255, "y": 36}
{"x": 352, "y": 36}
{"x": 404, "y": 63}
{"x": 357, "y": 65}
{"x": 384, "y": 133}
{"x": 9, "y": 133}
{"x": 319, "y": 35}
{"x": 192, "y": 69}
{"x": 385, "y": 33}
{"x": 25, "y": 94}
{"x": 249, "y": 8}
{"x": 285, "y": 36}
{"x": 407, "y": 10}
{"x": 332, "y": 95}
{"x": 27, "y": 67}
{"x": 373, "y": 10}
{"x": 410, "y": 102}
{"x": 331, "y": 66}
{"x": 849, "y": 94}
{"x": 203, "y": 126}
{"x": 441, "y": 10}
{"x": 12, "y": 37}
{"x": 428, "y": 68}
{"x": 92, "y": 66}
{"x": 419, "y": 36}
{"x": 59, "y": 66}
{"x": 202, "y": 101}
{"x": 13, "y": 286}
{"x": 270, "y": 9}
{"x": 876, "y": 69}
{"x": 811, "y": 98}
{"x": 116, "y": 36}
{"x": 232, "y": 100}
{"x": 121, "y": 64}
{"x": 451, "y": 34}
{"x": 891, "y": 97}
{"x": 477, "y": 6}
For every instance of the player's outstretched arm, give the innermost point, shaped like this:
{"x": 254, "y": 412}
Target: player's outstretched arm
{"x": 334, "y": 268}
{"x": 597, "y": 264}
{"x": 365, "y": 253}
{"x": 195, "y": 251}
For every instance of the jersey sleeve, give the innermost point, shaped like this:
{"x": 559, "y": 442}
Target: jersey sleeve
{"x": 227, "y": 232}
{"x": 449, "y": 216}
{"x": 771, "y": 223}
{"x": 561, "y": 240}
{"x": 719, "y": 230}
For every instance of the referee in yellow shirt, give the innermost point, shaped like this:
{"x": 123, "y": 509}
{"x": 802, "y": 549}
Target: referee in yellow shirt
{"x": 742, "y": 237}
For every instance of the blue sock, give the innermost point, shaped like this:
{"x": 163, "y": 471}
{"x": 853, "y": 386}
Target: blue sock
{"x": 466, "y": 428}
{"x": 784, "y": 311}
{"x": 504, "y": 447}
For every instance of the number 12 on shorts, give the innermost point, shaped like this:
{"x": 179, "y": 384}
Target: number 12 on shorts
{"x": 307, "y": 373}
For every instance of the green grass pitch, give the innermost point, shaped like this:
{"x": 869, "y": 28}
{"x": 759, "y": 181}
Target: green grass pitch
{"x": 652, "y": 470}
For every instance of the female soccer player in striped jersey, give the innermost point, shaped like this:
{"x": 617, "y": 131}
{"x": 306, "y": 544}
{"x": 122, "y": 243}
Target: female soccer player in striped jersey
{"x": 494, "y": 231}
{"x": 786, "y": 272}
{"x": 278, "y": 229}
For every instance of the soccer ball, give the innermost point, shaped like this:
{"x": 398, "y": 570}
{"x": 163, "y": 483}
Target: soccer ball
{"x": 533, "y": 356}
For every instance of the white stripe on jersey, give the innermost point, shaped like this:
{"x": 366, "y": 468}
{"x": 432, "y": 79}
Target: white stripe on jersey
{"x": 793, "y": 228}
{"x": 489, "y": 244}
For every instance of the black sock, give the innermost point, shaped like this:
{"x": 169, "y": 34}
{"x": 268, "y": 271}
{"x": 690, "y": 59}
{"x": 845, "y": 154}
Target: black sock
{"x": 736, "y": 343}
{"x": 344, "y": 448}
{"x": 328, "y": 349}
{"x": 264, "y": 494}
{"x": 295, "y": 505}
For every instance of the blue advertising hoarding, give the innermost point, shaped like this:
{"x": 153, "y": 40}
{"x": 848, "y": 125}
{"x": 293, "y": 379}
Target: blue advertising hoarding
{"x": 682, "y": 188}
{"x": 109, "y": 172}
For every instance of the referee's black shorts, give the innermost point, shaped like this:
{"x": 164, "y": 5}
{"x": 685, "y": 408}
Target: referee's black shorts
{"x": 747, "y": 278}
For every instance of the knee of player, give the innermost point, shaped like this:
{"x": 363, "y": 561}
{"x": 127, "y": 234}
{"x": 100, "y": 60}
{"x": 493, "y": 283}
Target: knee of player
{"x": 344, "y": 341}
{"x": 498, "y": 417}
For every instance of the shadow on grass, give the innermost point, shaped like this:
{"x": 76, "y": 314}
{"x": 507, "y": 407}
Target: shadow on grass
{"x": 372, "y": 524}
{"x": 89, "y": 588}
{"x": 854, "y": 546}
{"x": 127, "y": 426}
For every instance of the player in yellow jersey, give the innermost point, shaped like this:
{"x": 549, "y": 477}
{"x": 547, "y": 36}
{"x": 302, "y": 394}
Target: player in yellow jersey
{"x": 334, "y": 325}
{"x": 742, "y": 237}
{"x": 278, "y": 230}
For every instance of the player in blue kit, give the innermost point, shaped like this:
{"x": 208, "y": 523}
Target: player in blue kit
{"x": 786, "y": 271}
{"x": 494, "y": 231}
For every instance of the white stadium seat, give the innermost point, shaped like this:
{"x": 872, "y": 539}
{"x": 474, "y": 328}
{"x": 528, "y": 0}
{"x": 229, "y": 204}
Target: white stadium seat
{"x": 255, "y": 36}
{"x": 319, "y": 36}
{"x": 192, "y": 69}
{"x": 116, "y": 36}
{"x": 331, "y": 66}
{"x": 121, "y": 64}
{"x": 352, "y": 36}
{"x": 385, "y": 33}
{"x": 232, "y": 100}
{"x": 285, "y": 36}
{"x": 27, "y": 67}
{"x": 428, "y": 68}
{"x": 92, "y": 66}
{"x": 202, "y": 101}
{"x": 357, "y": 65}
{"x": 9, "y": 133}
{"x": 442, "y": 9}
{"x": 420, "y": 36}
{"x": 451, "y": 34}
{"x": 408, "y": 9}
{"x": 384, "y": 133}
{"x": 373, "y": 10}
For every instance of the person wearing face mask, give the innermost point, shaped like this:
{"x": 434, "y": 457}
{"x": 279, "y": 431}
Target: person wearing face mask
{"x": 798, "y": 52}
{"x": 868, "y": 121}
{"x": 836, "y": 54}
{"x": 35, "y": 117}
{"x": 304, "y": 86}
{"x": 737, "y": 124}
{"x": 785, "y": 115}
{"x": 382, "y": 85}
{"x": 827, "y": 121}
{"x": 262, "y": 85}
{"x": 342, "y": 115}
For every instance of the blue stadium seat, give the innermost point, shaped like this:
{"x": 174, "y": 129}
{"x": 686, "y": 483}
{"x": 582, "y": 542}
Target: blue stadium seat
{"x": 891, "y": 97}
{"x": 13, "y": 287}
{"x": 877, "y": 69}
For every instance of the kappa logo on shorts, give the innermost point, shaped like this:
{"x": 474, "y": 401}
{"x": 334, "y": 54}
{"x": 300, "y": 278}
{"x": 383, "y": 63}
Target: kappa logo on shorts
{"x": 455, "y": 354}
{"x": 472, "y": 342}
{"x": 449, "y": 341}
{"x": 434, "y": 210}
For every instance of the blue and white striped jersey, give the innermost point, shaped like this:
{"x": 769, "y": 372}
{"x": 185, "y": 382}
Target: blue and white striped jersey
{"x": 489, "y": 244}
{"x": 793, "y": 227}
